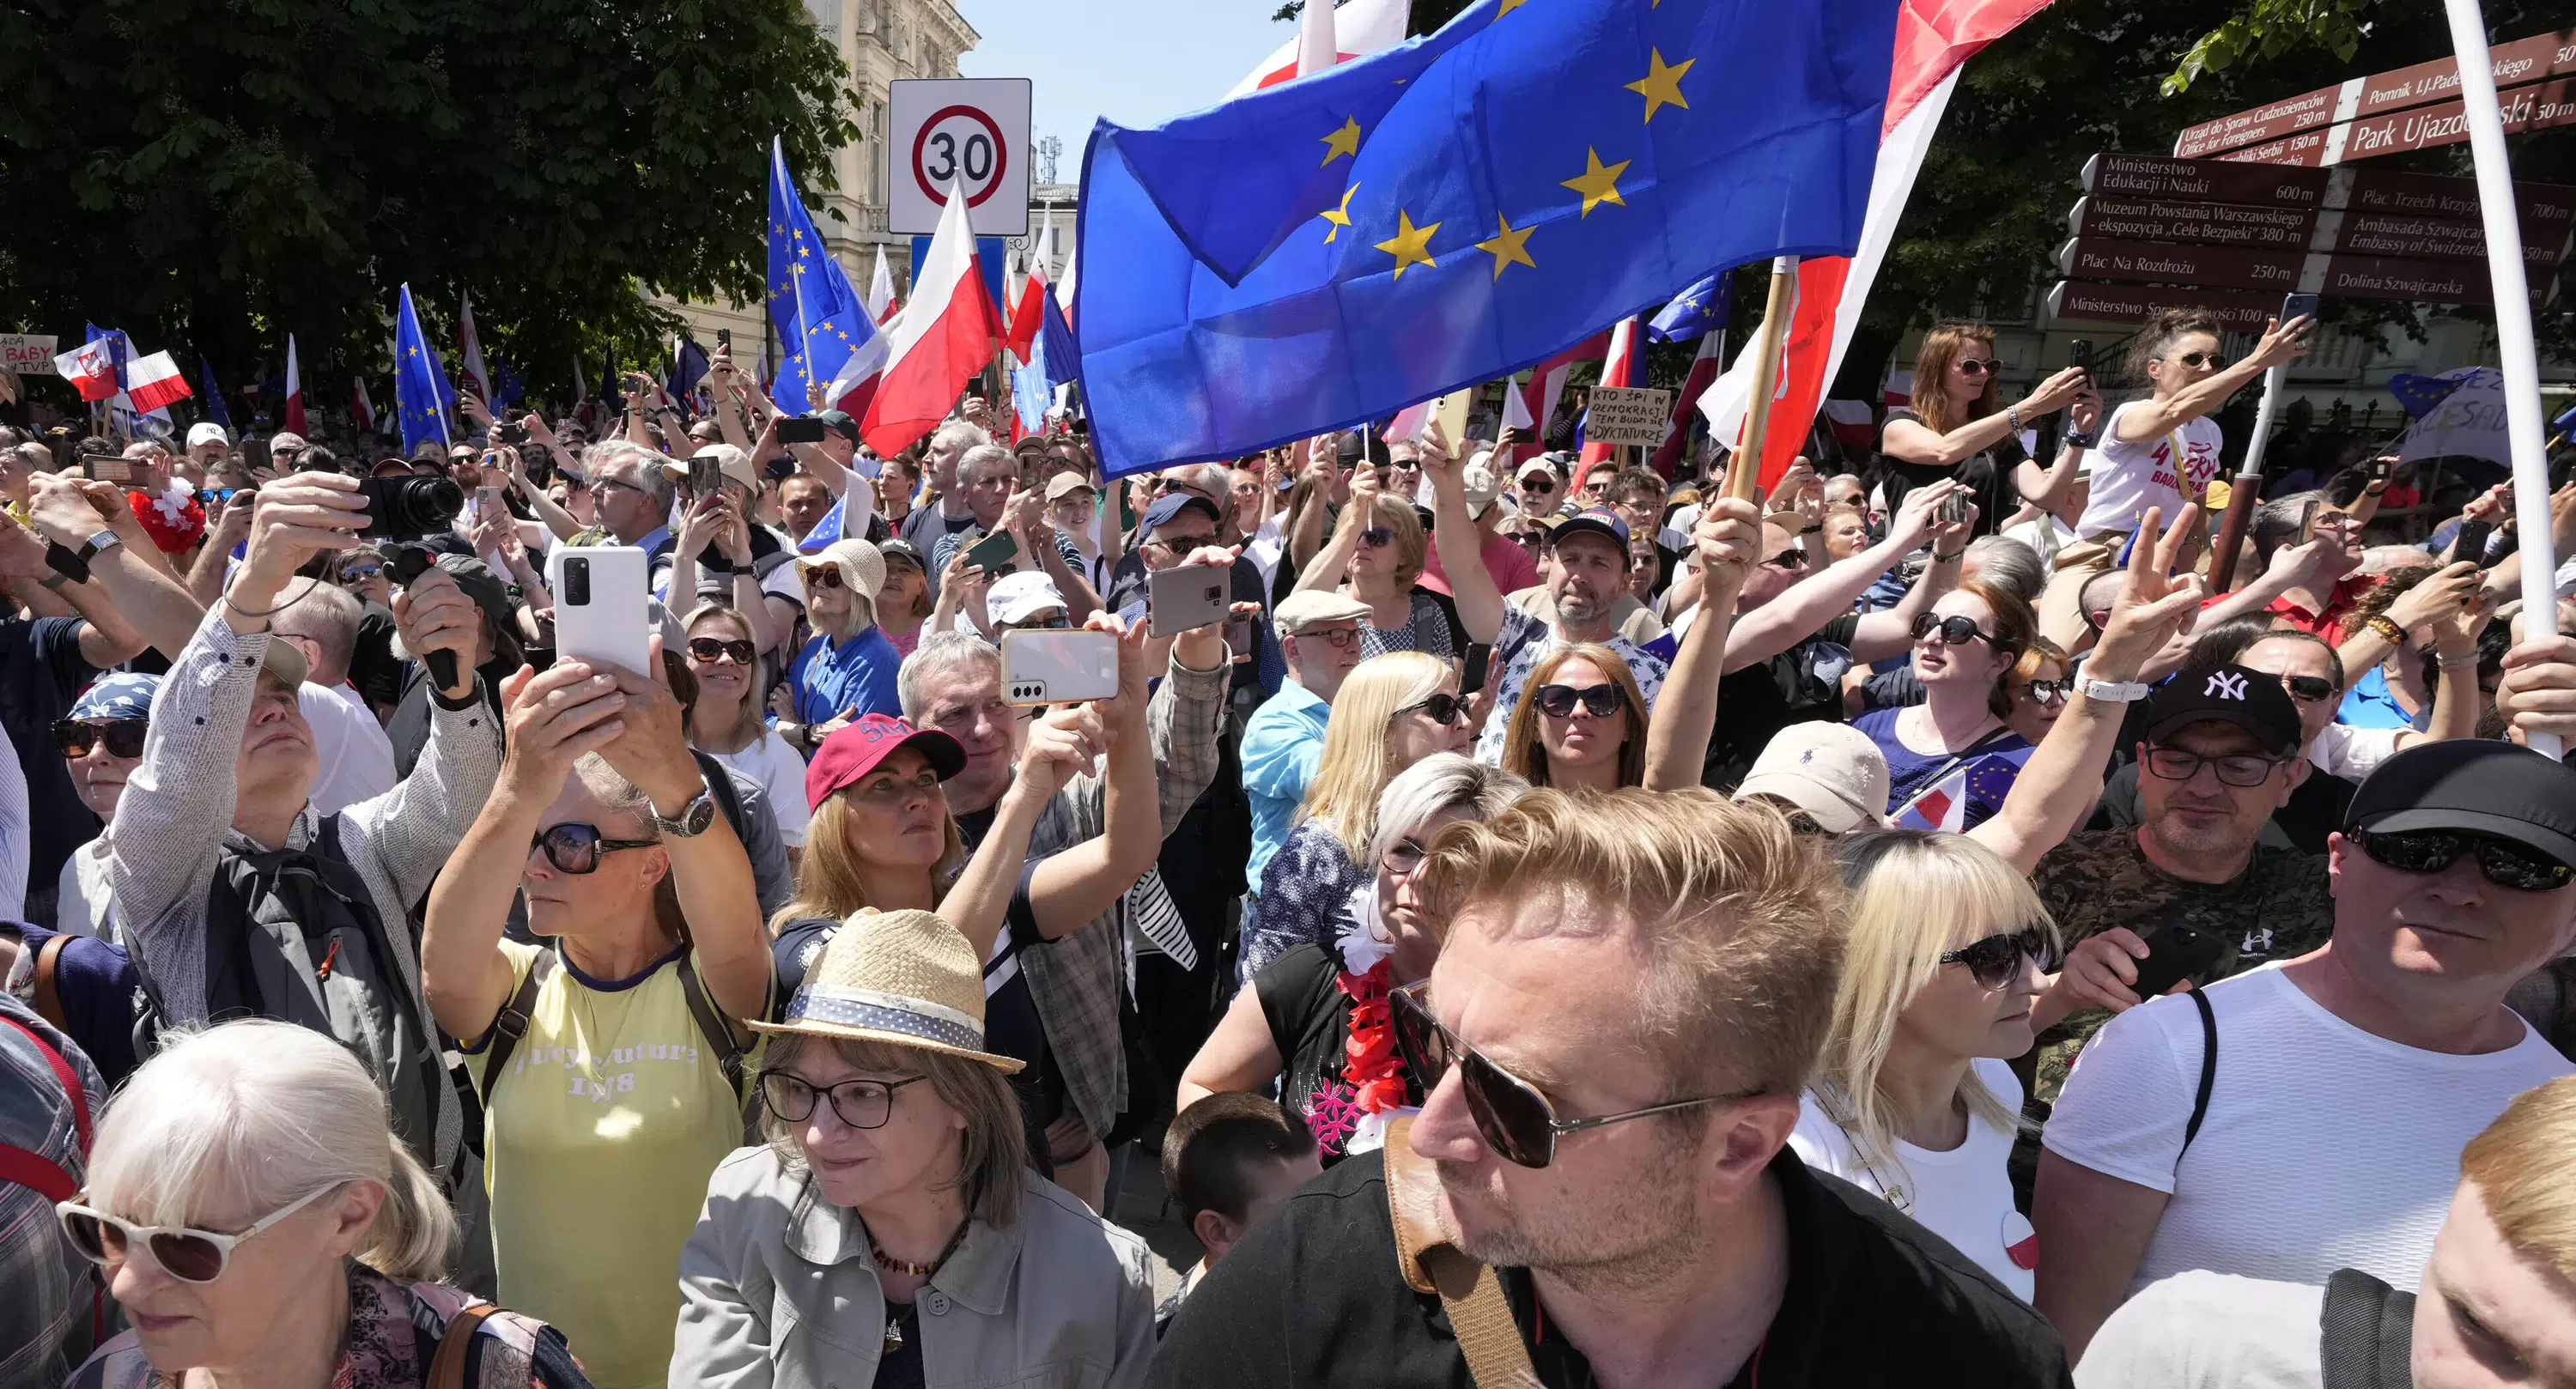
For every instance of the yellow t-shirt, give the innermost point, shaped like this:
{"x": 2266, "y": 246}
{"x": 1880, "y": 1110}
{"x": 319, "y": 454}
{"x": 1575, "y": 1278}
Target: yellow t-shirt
{"x": 598, "y": 1146}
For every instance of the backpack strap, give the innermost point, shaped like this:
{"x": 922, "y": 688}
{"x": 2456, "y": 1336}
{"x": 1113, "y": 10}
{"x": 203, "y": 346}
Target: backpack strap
{"x": 2208, "y": 1071}
{"x": 719, "y": 1030}
{"x": 49, "y": 998}
{"x": 70, "y": 1079}
{"x": 447, "y": 1365}
{"x": 1480, "y": 1316}
{"x": 512, "y": 1023}
{"x": 2367, "y": 1332}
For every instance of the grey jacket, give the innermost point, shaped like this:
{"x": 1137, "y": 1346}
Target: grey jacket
{"x": 778, "y": 1291}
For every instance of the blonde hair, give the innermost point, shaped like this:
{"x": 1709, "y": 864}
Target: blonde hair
{"x": 827, "y": 878}
{"x": 1912, "y": 895}
{"x": 1354, "y": 767}
{"x": 1412, "y": 548}
{"x": 993, "y": 1147}
{"x": 266, "y": 1113}
{"x": 1737, "y": 922}
{"x": 747, "y": 724}
{"x": 1932, "y": 402}
{"x": 1523, "y": 753}
{"x": 2519, "y": 1165}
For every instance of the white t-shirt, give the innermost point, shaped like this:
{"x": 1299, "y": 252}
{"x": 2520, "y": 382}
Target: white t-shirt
{"x": 2131, "y": 475}
{"x": 2353, "y": 753}
{"x": 2325, "y": 1146}
{"x": 781, "y": 773}
{"x": 2045, "y": 535}
{"x": 2202, "y": 1330}
{"x": 356, "y": 757}
{"x": 1964, "y": 1195}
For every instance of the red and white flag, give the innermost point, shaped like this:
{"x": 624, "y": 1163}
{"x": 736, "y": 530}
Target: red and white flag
{"x": 1625, "y": 365}
{"x": 1944, "y": 807}
{"x": 1851, "y": 422}
{"x": 294, "y": 390}
{"x": 944, "y": 336}
{"x": 154, "y": 382}
{"x": 1933, "y": 38}
{"x": 1354, "y": 30}
{"x": 881, "y": 288}
{"x": 91, "y": 368}
{"x": 471, "y": 377}
{"x": 362, "y": 409}
{"x": 1537, "y": 400}
{"x": 1703, "y": 374}
{"x": 1028, "y": 314}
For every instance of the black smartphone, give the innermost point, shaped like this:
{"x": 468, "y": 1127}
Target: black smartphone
{"x": 724, "y": 337}
{"x": 2175, "y": 952}
{"x": 2080, "y": 354}
{"x": 2378, "y": 468}
{"x": 1239, "y": 637}
{"x": 509, "y": 432}
{"x": 1480, "y": 655}
{"x": 2471, "y": 543}
{"x": 2298, "y": 306}
{"x": 800, "y": 429}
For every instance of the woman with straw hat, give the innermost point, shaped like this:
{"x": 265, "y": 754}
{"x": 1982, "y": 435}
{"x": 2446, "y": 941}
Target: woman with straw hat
{"x": 890, "y": 1231}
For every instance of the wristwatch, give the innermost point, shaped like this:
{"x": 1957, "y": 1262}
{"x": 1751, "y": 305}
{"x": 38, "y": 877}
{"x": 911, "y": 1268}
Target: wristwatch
{"x": 91, "y": 547}
{"x": 2080, "y": 439}
{"x": 2111, "y": 691}
{"x": 693, "y": 819}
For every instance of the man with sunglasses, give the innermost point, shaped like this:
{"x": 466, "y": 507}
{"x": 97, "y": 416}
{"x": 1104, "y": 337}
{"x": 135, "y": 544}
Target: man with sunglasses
{"x": 2163, "y": 450}
{"x": 101, "y": 742}
{"x": 2354, "y": 1073}
{"x": 1612, "y": 1065}
{"x": 1283, "y": 741}
{"x": 1540, "y": 488}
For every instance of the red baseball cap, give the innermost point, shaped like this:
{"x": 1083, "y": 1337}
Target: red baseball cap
{"x": 852, "y": 753}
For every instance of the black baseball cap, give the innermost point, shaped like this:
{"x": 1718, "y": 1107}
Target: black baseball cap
{"x": 2248, "y": 699}
{"x": 2477, "y": 785}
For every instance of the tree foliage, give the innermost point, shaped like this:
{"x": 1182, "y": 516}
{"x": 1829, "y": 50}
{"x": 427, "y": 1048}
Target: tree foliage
{"x": 213, "y": 174}
{"x": 2266, "y": 29}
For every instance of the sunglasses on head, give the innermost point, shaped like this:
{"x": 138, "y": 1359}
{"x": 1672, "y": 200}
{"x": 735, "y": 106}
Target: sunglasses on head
{"x": 573, "y": 847}
{"x": 1954, "y": 630}
{"x": 2217, "y": 360}
{"x": 1558, "y": 701}
{"x": 1513, "y": 1118}
{"x": 1993, "y": 962}
{"x": 2500, "y": 861}
{"x": 124, "y": 737}
{"x": 2309, "y": 689}
{"x": 1377, "y": 537}
{"x": 188, "y": 1254}
{"x": 824, "y": 576}
{"x": 1976, "y": 367}
{"x": 1442, "y": 708}
{"x": 711, "y": 649}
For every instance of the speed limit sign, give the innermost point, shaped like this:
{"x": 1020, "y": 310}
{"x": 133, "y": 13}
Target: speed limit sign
{"x": 968, "y": 132}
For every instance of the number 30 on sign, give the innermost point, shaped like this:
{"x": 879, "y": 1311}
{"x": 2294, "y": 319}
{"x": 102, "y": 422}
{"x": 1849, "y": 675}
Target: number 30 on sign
{"x": 971, "y": 133}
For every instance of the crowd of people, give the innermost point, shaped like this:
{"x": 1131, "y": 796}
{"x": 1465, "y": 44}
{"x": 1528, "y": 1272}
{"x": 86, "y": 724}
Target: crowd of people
{"x": 1546, "y": 923}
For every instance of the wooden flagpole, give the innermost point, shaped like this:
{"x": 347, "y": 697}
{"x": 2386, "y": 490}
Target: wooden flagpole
{"x": 1745, "y": 470}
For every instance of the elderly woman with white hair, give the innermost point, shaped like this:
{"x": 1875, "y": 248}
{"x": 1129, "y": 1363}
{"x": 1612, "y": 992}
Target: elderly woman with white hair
{"x": 264, "y": 1229}
{"x": 1315, "y": 1019}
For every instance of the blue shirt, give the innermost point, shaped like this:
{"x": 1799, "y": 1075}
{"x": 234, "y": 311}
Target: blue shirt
{"x": 1946, "y": 794}
{"x": 2371, "y": 704}
{"x": 1282, "y": 743}
{"x": 828, "y": 679}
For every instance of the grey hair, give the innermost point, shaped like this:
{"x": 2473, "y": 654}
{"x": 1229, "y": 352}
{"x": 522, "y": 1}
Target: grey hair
{"x": 2009, "y": 565}
{"x": 982, "y": 454}
{"x": 937, "y": 653}
{"x": 2276, "y": 522}
{"x": 327, "y": 614}
{"x": 956, "y": 434}
{"x": 1442, "y": 781}
{"x": 599, "y": 458}
{"x": 612, "y": 790}
{"x": 264, "y": 1113}
{"x": 1210, "y": 480}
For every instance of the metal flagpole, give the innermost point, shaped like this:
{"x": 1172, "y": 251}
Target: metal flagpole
{"x": 2519, "y": 358}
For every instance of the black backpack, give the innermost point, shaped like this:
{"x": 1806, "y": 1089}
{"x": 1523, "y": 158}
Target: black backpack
{"x": 2367, "y": 1333}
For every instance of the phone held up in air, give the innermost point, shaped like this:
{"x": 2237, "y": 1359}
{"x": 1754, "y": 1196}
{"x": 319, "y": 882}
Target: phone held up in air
{"x": 724, "y": 337}
{"x": 1954, "y": 507}
{"x": 488, "y": 500}
{"x": 800, "y": 429}
{"x": 2298, "y": 306}
{"x": 705, "y": 475}
{"x": 2175, "y": 952}
{"x": 2080, "y": 354}
{"x": 1059, "y": 666}
{"x": 1480, "y": 657}
{"x": 603, "y": 605}
{"x": 106, "y": 469}
{"x": 993, "y": 554}
{"x": 2471, "y": 542}
{"x": 1185, "y": 597}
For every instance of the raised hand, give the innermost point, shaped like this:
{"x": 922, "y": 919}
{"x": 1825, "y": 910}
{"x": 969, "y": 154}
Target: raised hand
{"x": 2054, "y": 393}
{"x": 1728, "y": 537}
{"x": 2155, "y": 604}
{"x": 433, "y": 614}
{"x": 553, "y": 719}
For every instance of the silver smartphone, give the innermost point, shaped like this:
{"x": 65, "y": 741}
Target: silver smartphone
{"x": 1186, "y": 597}
{"x": 603, "y": 605}
{"x": 1059, "y": 667}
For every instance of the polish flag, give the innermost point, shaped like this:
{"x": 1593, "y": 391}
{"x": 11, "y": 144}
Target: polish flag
{"x": 1933, "y": 38}
{"x": 1355, "y": 30}
{"x": 471, "y": 378}
{"x": 1944, "y": 807}
{"x": 1703, "y": 373}
{"x": 1028, "y": 315}
{"x": 1624, "y": 366}
{"x": 1546, "y": 384}
{"x": 944, "y": 336}
{"x": 362, "y": 409}
{"x": 91, "y": 368}
{"x": 1899, "y": 394}
{"x": 880, "y": 289}
{"x": 154, "y": 382}
{"x": 294, "y": 390}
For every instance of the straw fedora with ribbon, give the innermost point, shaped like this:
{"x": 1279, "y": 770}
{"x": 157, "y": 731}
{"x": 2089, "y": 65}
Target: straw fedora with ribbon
{"x": 906, "y": 978}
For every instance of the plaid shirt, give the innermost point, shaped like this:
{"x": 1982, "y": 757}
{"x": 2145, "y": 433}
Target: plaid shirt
{"x": 46, "y": 1320}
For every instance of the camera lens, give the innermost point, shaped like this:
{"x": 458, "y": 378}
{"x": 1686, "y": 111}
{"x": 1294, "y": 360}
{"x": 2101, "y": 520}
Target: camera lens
{"x": 576, "y": 584}
{"x": 410, "y": 507}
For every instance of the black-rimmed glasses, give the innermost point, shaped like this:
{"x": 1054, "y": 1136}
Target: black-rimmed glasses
{"x": 73, "y": 738}
{"x": 1955, "y": 630}
{"x": 2239, "y": 769}
{"x": 1558, "y": 701}
{"x": 712, "y": 649}
{"x": 1442, "y": 708}
{"x": 861, "y": 1104}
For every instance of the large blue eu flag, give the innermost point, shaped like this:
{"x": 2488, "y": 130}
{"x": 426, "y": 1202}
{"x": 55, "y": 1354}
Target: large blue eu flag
{"x": 421, "y": 394}
{"x": 1336, "y": 248}
{"x": 820, "y": 317}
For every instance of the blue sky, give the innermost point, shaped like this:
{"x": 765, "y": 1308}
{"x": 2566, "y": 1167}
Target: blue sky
{"x": 1137, "y": 62}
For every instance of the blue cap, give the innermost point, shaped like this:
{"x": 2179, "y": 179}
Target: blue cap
{"x": 118, "y": 696}
{"x": 1172, "y": 504}
{"x": 1597, "y": 521}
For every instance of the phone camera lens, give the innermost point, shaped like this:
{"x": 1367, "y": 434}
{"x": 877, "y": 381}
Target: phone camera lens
{"x": 576, "y": 584}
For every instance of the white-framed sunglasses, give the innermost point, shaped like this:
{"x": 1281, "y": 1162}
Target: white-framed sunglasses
{"x": 186, "y": 1253}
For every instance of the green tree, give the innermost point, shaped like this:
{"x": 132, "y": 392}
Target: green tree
{"x": 213, "y": 174}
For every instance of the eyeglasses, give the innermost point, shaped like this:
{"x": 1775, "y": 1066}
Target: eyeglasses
{"x": 1993, "y": 962}
{"x": 600, "y": 486}
{"x": 1055, "y": 622}
{"x": 1788, "y": 559}
{"x": 2501, "y": 862}
{"x": 1513, "y": 1118}
{"x": 1442, "y": 708}
{"x": 712, "y": 649}
{"x": 1974, "y": 367}
{"x": 1334, "y": 637}
{"x": 2242, "y": 769}
{"x": 824, "y": 576}
{"x": 1954, "y": 630}
{"x": 2047, "y": 692}
{"x": 861, "y": 1104}
{"x": 2309, "y": 689}
{"x": 124, "y": 737}
{"x": 360, "y": 573}
{"x": 1558, "y": 701}
{"x": 1180, "y": 544}
{"x": 184, "y": 1252}
{"x": 1377, "y": 537}
{"x": 1545, "y": 484}
{"x": 573, "y": 847}
{"x": 2217, "y": 360}
{"x": 1527, "y": 540}
{"x": 1403, "y": 856}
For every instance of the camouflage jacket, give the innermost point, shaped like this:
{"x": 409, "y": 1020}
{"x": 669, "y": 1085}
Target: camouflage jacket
{"x": 2277, "y": 909}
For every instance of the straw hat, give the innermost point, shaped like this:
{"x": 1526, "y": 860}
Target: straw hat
{"x": 906, "y": 977}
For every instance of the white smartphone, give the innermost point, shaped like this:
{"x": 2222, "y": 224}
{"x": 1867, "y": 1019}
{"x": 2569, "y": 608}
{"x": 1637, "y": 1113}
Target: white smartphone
{"x": 1059, "y": 667}
{"x": 603, "y": 612}
{"x": 1185, "y": 597}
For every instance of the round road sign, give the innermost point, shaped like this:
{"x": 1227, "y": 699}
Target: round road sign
{"x": 961, "y": 145}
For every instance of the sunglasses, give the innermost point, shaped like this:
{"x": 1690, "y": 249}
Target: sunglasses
{"x": 1788, "y": 559}
{"x": 184, "y": 1252}
{"x": 2309, "y": 689}
{"x": 1955, "y": 631}
{"x": 1558, "y": 701}
{"x": 359, "y": 573}
{"x": 1993, "y": 962}
{"x": 1545, "y": 484}
{"x": 2243, "y": 769}
{"x": 1528, "y": 540}
{"x": 1974, "y": 367}
{"x": 861, "y": 1104}
{"x": 711, "y": 649}
{"x": 1377, "y": 537}
{"x": 2217, "y": 360}
{"x": 1055, "y": 623}
{"x": 2047, "y": 692}
{"x": 2501, "y": 862}
{"x": 1442, "y": 708}
{"x": 824, "y": 576}
{"x": 573, "y": 847}
{"x": 1513, "y": 1118}
{"x": 124, "y": 737}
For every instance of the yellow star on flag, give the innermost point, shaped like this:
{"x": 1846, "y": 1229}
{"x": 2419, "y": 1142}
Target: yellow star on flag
{"x": 1507, "y": 7}
{"x": 1340, "y": 217}
{"x": 1410, "y": 245}
{"x": 1343, "y": 142}
{"x": 1599, "y": 183}
{"x": 1661, "y": 86}
{"x": 1509, "y": 246}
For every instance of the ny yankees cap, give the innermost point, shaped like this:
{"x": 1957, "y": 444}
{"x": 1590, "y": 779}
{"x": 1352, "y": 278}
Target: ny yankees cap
{"x": 2248, "y": 699}
{"x": 2475, "y": 785}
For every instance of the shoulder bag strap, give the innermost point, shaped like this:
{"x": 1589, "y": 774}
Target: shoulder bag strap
{"x": 1958, "y": 759}
{"x": 447, "y": 1366}
{"x": 719, "y": 1030}
{"x": 2367, "y": 1330}
{"x": 511, "y": 1024}
{"x": 1470, "y": 1292}
{"x": 2208, "y": 1070}
{"x": 49, "y": 998}
{"x": 63, "y": 1072}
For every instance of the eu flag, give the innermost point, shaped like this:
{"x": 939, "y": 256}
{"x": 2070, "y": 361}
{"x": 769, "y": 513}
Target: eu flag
{"x": 1696, "y": 310}
{"x": 1439, "y": 214}
{"x": 422, "y": 396}
{"x": 820, "y": 317}
{"x": 216, "y": 409}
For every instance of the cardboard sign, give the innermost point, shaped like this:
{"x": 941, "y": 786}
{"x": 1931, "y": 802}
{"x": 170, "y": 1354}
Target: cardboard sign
{"x": 1629, "y": 415}
{"x": 28, "y": 354}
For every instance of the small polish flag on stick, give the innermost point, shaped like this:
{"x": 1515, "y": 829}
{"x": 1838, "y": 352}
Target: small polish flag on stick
{"x": 155, "y": 381}
{"x": 294, "y": 390}
{"x": 91, "y": 368}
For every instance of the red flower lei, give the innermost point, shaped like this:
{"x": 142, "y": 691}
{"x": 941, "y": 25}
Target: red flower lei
{"x": 1372, "y": 1067}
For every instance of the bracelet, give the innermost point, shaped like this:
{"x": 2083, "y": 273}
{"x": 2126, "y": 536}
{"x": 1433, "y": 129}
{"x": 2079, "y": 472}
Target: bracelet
{"x": 2387, "y": 628}
{"x": 2459, "y": 662}
{"x": 2082, "y": 439}
{"x": 1950, "y": 558}
{"x": 291, "y": 602}
{"x": 2012, "y": 416}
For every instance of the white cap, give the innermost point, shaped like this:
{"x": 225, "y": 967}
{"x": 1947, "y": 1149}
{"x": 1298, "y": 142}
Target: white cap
{"x": 1015, "y": 598}
{"x": 207, "y": 432}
